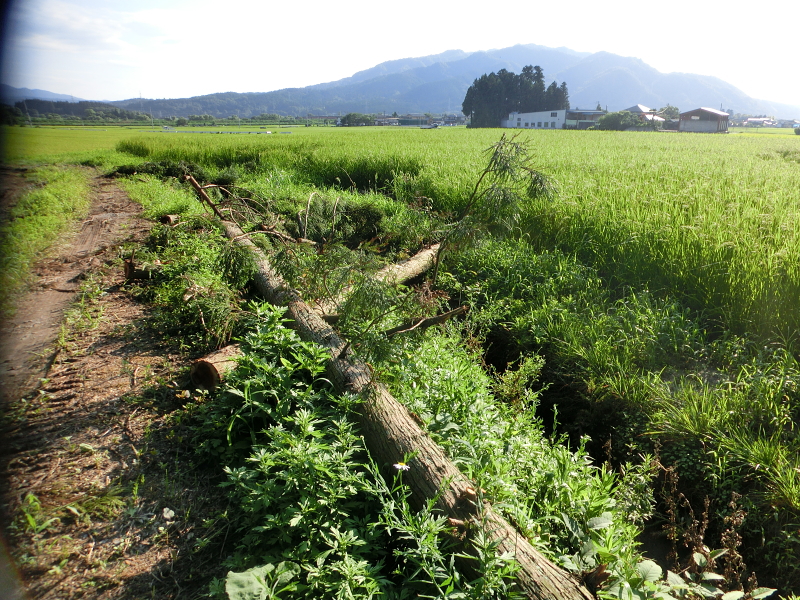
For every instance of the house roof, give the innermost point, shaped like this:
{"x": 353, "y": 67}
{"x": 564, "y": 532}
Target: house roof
{"x": 639, "y": 108}
{"x": 713, "y": 111}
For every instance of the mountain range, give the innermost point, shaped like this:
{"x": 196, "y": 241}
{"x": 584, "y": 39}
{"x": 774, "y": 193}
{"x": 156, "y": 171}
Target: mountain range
{"x": 10, "y": 95}
{"x": 438, "y": 83}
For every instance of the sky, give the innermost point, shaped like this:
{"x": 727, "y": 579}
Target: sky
{"x": 114, "y": 50}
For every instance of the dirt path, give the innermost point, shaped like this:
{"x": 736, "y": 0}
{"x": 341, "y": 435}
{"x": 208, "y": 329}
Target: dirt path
{"x": 26, "y": 337}
{"x": 101, "y": 498}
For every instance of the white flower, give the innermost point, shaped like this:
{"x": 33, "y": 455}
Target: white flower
{"x": 401, "y": 466}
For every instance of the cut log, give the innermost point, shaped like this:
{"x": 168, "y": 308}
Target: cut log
{"x": 169, "y": 219}
{"x": 409, "y": 269}
{"x": 393, "y": 274}
{"x": 132, "y": 273}
{"x": 391, "y": 433}
{"x": 209, "y": 371}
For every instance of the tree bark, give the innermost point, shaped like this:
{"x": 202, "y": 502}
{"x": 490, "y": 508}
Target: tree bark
{"x": 209, "y": 371}
{"x": 392, "y": 274}
{"x": 391, "y": 434}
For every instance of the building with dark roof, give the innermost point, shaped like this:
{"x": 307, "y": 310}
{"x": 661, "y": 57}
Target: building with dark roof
{"x": 704, "y": 120}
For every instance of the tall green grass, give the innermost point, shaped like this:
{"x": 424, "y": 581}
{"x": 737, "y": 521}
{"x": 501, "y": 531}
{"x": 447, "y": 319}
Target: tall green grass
{"x": 39, "y": 219}
{"x": 712, "y": 220}
{"x": 43, "y": 145}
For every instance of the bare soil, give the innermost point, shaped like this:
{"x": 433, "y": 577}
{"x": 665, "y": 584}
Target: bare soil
{"x": 101, "y": 497}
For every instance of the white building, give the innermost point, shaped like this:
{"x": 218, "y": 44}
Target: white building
{"x": 544, "y": 119}
{"x": 553, "y": 119}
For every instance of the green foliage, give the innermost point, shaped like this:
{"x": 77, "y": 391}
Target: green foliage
{"x": 497, "y": 197}
{"x": 654, "y": 279}
{"x": 35, "y": 520}
{"x": 352, "y": 119}
{"x": 10, "y": 115}
{"x": 532, "y": 480}
{"x": 315, "y": 518}
{"x": 164, "y": 168}
{"x": 195, "y": 283}
{"x": 59, "y": 199}
{"x": 724, "y": 410}
{"x": 669, "y": 112}
{"x": 618, "y": 121}
{"x": 264, "y": 582}
{"x": 350, "y": 221}
{"x": 158, "y": 199}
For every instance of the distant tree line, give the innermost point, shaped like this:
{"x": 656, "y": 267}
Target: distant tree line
{"x": 352, "y": 119}
{"x": 492, "y": 97}
{"x": 10, "y": 115}
{"x": 86, "y": 110}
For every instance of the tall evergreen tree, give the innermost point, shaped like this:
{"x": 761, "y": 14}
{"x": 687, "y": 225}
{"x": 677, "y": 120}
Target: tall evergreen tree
{"x": 492, "y": 97}
{"x": 564, "y": 100}
{"x": 538, "y": 97}
{"x": 551, "y": 96}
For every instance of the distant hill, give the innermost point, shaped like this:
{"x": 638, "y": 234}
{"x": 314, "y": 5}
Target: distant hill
{"x": 9, "y": 95}
{"x": 438, "y": 83}
{"x": 619, "y": 82}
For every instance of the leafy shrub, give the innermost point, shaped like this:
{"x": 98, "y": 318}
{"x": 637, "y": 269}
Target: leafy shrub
{"x": 314, "y": 518}
{"x": 163, "y": 169}
{"x": 196, "y": 284}
{"x": 618, "y": 121}
{"x": 540, "y": 485}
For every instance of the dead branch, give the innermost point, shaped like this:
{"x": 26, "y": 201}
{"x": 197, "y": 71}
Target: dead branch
{"x": 425, "y": 323}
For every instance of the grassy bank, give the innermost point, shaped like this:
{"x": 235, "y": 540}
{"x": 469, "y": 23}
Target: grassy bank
{"x": 38, "y": 219}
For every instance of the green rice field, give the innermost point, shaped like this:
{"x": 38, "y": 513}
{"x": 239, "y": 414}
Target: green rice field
{"x": 713, "y": 219}
{"x": 649, "y": 309}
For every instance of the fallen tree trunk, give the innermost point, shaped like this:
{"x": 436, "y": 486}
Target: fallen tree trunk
{"x": 391, "y": 274}
{"x": 209, "y": 371}
{"x": 391, "y": 433}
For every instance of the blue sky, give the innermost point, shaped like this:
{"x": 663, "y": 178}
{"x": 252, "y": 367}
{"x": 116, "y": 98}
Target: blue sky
{"x": 114, "y": 50}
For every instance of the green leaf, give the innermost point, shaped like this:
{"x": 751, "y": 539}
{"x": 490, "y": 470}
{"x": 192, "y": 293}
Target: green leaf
{"x": 762, "y": 592}
{"x": 715, "y": 554}
{"x": 286, "y": 572}
{"x": 700, "y": 560}
{"x": 248, "y": 585}
{"x": 599, "y": 522}
{"x": 573, "y": 526}
{"x": 260, "y": 583}
{"x": 708, "y": 590}
{"x": 569, "y": 564}
{"x": 712, "y": 577}
{"x": 675, "y": 580}
{"x": 734, "y": 595}
{"x": 649, "y": 571}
